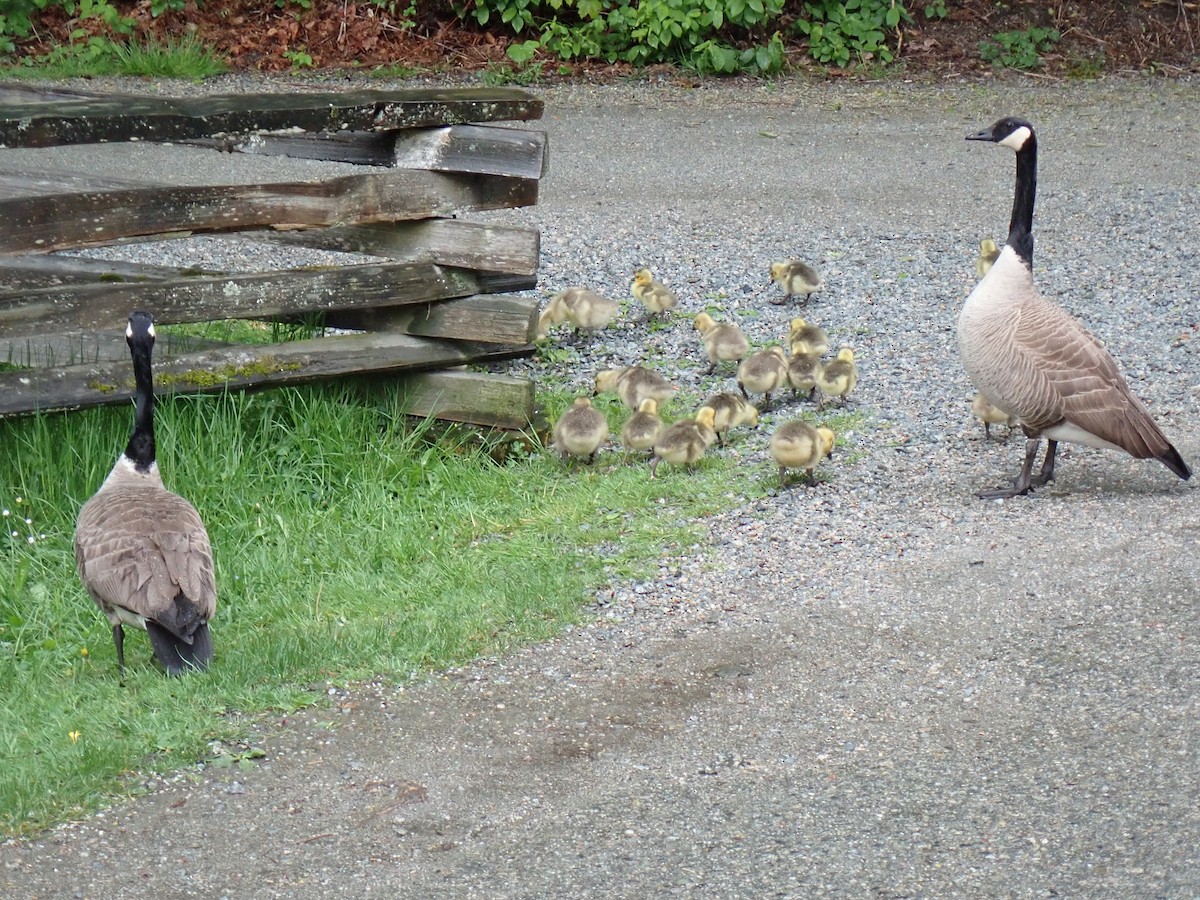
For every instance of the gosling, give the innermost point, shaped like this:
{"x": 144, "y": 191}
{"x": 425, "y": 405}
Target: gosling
{"x": 585, "y": 310}
{"x": 762, "y": 372}
{"x": 802, "y": 371}
{"x": 798, "y": 445}
{"x": 684, "y": 442}
{"x": 655, "y": 296}
{"x": 838, "y": 377}
{"x": 722, "y": 342}
{"x": 643, "y": 428}
{"x": 633, "y": 384}
{"x": 990, "y": 415}
{"x": 795, "y": 277}
{"x": 988, "y": 254}
{"x": 580, "y": 431}
{"x": 730, "y": 411}
{"x": 805, "y": 338}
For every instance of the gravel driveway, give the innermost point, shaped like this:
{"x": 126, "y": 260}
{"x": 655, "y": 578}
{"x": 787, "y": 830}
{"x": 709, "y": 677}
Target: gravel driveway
{"x": 878, "y": 687}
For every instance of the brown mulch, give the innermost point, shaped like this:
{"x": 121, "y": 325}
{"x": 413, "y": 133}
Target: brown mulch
{"x": 1111, "y": 36}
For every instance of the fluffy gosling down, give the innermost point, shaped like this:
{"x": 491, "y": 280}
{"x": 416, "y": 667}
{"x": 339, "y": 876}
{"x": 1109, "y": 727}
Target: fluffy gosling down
{"x": 730, "y": 411}
{"x": 989, "y": 414}
{"x": 762, "y": 372}
{"x": 580, "y": 431}
{"x": 643, "y": 428}
{"x": 633, "y": 384}
{"x": 805, "y": 338}
{"x": 142, "y": 551}
{"x": 684, "y": 442}
{"x": 795, "y": 277}
{"x": 798, "y": 445}
{"x": 654, "y": 295}
{"x": 988, "y": 254}
{"x": 722, "y": 342}
{"x": 838, "y": 377}
{"x": 802, "y": 371}
{"x": 585, "y": 310}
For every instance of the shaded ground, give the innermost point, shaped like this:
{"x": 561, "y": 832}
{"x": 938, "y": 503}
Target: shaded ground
{"x": 1101, "y": 36}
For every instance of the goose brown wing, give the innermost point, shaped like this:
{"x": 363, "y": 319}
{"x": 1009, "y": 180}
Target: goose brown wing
{"x": 1071, "y": 377}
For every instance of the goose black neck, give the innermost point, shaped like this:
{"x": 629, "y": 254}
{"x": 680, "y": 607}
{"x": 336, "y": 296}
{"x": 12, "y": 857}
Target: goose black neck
{"x": 1020, "y": 227}
{"x": 140, "y": 448}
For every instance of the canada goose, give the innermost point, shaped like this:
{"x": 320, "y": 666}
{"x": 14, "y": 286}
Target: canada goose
{"x": 988, "y": 253}
{"x": 730, "y": 411}
{"x": 141, "y": 550}
{"x": 762, "y": 372}
{"x": 656, "y": 296}
{"x": 805, "y": 338}
{"x": 838, "y": 377}
{"x": 802, "y": 372}
{"x": 585, "y": 310}
{"x": 721, "y": 341}
{"x": 580, "y": 431}
{"x": 684, "y": 442}
{"x": 642, "y": 429}
{"x": 795, "y": 277}
{"x": 633, "y": 384}
{"x": 1038, "y": 362}
{"x": 990, "y": 415}
{"x": 798, "y": 445}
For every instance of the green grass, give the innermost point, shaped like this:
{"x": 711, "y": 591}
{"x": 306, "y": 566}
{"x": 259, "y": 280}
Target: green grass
{"x": 99, "y": 56}
{"x": 348, "y": 545}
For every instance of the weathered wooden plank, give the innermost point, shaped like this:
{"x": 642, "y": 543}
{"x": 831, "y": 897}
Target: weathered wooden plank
{"x": 498, "y": 401}
{"x": 72, "y": 220}
{"x": 146, "y": 118}
{"x": 78, "y": 349}
{"x": 24, "y": 182}
{"x": 493, "y": 319}
{"x": 448, "y": 242}
{"x": 454, "y": 148}
{"x": 99, "y": 307}
{"x": 215, "y": 370}
{"x": 29, "y": 271}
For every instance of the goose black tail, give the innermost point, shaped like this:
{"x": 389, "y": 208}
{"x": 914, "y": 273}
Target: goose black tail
{"x": 177, "y": 655}
{"x": 1173, "y": 461}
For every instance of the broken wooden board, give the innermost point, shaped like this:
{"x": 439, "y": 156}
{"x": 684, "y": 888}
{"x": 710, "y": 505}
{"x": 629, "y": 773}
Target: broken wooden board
{"x": 447, "y": 242}
{"x": 146, "y": 118}
{"x": 106, "y": 307}
{"x": 66, "y": 220}
{"x": 244, "y": 366}
{"x": 476, "y": 398}
{"x": 493, "y": 319}
{"x": 456, "y": 148}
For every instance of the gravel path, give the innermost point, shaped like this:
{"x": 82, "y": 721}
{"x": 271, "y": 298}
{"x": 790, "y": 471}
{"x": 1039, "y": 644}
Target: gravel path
{"x": 881, "y": 686}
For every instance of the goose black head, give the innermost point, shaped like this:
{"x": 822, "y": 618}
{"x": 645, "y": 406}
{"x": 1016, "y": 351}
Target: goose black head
{"x": 140, "y": 329}
{"x": 1008, "y": 132}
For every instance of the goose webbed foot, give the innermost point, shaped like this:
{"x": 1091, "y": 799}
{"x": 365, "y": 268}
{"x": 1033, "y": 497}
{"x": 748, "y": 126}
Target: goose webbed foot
{"x": 1023, "y": 483}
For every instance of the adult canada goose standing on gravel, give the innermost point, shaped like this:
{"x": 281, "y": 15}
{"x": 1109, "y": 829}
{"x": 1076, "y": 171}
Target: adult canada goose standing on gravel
{"x": 1036, "y": 361}
{"x": 141, "y": 550}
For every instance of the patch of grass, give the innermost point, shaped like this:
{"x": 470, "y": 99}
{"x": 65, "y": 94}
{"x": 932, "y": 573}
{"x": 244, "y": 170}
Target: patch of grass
{"x": 504, "y": 74}
{"x": 349, "y": 544}
{"x": 96, "y": 56}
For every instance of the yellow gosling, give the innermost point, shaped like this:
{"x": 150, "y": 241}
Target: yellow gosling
{"x": 798, "y": 445}
{"x": 643, "y": 428}
{"x": 684, "y": 442}
{"x": 580, "y": 431}
{"x": 730, "y": 411}
{"x": 722, "y": 342}
{"x": 988, "y": 254}
{"x": 633, "y": 384}
{"x": 990, "y": 414}
{"x": 795, "y": 277}
{"x": 762, "y": 372}
{"x": 838, "y": 378}
{"x": 654, "y": 295}
{"x": 805, "y": 338}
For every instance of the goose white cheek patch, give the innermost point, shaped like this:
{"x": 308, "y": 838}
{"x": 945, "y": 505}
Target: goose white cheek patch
{"x": 1017, "y": 139}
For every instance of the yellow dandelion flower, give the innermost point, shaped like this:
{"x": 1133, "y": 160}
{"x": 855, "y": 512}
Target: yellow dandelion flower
{"x": 74, "y": 736}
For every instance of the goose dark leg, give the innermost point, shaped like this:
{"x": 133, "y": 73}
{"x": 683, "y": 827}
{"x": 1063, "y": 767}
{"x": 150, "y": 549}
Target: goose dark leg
{"x": 987, "y": 431}
{"x": 1047, "y": 473}
{"x": 742, "y": 388}
{"x": 1023, "y": 482}
{"x": 119, "y": 640}
{"x": 782, "y": 477}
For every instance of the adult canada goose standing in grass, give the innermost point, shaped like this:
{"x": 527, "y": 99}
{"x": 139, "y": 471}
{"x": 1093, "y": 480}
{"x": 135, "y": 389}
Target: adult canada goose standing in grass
{"x": 656, "y": 296}
{"x": 580, "y": 431}
{"x": 988, "y": 254}
{"x": 1032, "y": 358}
{"x": 141, "y": 550}
{"x": 722, "y": 341}
{"x": 795, "y": 277}
{"x": 798, "y": 445}
{"x": 585, "y": 310}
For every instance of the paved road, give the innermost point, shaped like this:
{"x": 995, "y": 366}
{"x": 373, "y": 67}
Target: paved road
{"x": 899, "y": 693}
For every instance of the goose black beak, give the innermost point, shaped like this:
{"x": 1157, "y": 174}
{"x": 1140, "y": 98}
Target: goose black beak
{"x": 985, "y": 135}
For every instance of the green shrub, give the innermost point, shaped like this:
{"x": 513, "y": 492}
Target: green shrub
{"x": 853, "y": 30}
{"x": 1018, "y": 49}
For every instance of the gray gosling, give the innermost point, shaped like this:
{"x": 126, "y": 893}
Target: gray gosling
{"x": 988, "y": 254}
{"x": 802, "y": 371}
{"x": 730, "y": 411}
{"x": 805, "y": 338}
{"x": 798, "y": 445}
{"x": 654, "y": 295}
{"x": 722, "y": 342}
{"x": 633, "y": 384}
{"x": 762, "y": 372}
{"x": 838, "y": 377}
{"x": 989, "y": 414}
{"x": 795, "y": 277}
{"x": 580, "y": 431}
{"x": 585, "y": 310}
{"x": 684, "y": 442}
{"x": 643, "y": 428}
{"x": 142, "y": 551}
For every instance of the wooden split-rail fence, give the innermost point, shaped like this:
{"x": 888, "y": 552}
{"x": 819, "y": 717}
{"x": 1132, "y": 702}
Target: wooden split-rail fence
{"x": 426, "y": 293}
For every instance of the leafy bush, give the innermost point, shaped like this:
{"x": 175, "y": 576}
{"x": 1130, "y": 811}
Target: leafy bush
{"x": 1019, "y": 49}
{"x": 853, "y": 30}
